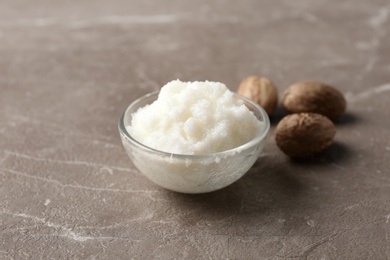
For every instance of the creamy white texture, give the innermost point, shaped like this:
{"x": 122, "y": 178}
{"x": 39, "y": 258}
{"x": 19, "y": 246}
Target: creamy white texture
{"x": 194, "y": 118}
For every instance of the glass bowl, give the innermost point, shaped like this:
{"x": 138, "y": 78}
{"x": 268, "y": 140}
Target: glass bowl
{"x": 192, "y": 173}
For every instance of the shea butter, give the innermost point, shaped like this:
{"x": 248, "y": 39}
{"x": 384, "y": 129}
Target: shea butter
{"x": 194, "y": 118}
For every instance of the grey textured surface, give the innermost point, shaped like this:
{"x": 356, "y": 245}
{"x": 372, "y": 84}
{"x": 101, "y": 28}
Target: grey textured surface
{"x": 68, "y": 69}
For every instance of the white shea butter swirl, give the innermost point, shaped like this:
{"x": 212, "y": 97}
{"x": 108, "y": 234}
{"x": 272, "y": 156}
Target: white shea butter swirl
{"x": 194, "y": 118}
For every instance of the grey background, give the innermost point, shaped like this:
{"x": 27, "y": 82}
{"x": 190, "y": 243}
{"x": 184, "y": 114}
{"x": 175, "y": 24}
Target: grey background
{"x": 69, "y": 68}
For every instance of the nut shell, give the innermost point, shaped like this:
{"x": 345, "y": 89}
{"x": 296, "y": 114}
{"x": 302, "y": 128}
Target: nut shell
{"x": 315, "y": 97}
{"x": 261, "y": 90}
{"x": 304, "y": 134}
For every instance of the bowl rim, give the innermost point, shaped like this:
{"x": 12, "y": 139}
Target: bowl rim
{"x": 259, "y": 137}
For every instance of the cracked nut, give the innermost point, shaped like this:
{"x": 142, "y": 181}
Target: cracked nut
{"x": 304, "y": 134}
{"x": 315, "y": 97}
{"x": 261, "y": 90}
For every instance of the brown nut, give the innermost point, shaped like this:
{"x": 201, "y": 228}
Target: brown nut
{"x": 304, "y": 134}
{"x": 260, "y": 90}
{"x": 315, "y": 97}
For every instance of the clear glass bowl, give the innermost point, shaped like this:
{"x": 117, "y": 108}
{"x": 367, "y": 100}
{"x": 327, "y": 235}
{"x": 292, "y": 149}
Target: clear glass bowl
{"x": 192, "y": 173}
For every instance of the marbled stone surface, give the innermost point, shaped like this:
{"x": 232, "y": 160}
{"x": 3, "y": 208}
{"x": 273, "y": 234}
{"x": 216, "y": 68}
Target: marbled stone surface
{"x": 69, "y": 68}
